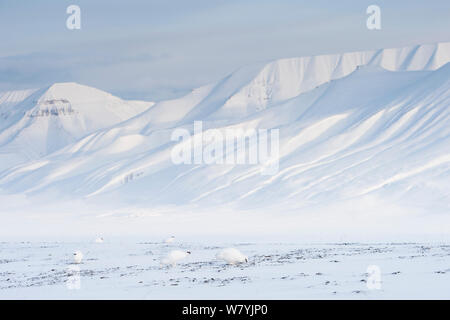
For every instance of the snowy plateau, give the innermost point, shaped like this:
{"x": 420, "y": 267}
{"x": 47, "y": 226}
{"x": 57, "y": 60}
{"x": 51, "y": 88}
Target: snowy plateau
{"x": 363, "y": 179}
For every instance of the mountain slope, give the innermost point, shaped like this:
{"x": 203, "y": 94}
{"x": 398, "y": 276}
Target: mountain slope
{"x": 35, "y": 123}
{"x": 352, "y": 126}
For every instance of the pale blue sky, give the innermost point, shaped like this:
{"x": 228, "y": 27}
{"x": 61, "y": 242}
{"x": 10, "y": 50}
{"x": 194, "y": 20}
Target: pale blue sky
{"x": 157, "y": 49}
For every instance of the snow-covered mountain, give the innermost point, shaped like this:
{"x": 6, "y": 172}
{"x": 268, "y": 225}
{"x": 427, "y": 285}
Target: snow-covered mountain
{"x": 351, "y": 125}
{"x": 35, "y": 123}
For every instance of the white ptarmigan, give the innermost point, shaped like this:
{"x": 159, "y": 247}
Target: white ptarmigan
{"x": 77, "y": 257}
{"x": 170, "y": 240}
{"x": 99, "y": 240}
{"x": 232, "y": 256}
{"x": 174, "y": 256}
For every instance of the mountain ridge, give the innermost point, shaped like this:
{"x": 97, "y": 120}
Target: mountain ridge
{"x": 370, "y": 123}
{"x": 42, "y": 121}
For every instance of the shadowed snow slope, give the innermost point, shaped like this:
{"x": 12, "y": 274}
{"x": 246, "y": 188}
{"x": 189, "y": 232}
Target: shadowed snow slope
{"x": 351, "y": 126}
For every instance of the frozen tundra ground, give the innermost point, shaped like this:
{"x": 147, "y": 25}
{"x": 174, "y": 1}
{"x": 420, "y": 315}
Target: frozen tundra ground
{"x": 131, "y": 270}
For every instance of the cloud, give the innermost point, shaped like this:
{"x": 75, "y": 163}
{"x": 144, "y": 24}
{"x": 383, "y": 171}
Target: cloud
{"x": 30, "y": 70}
{"x": 39, "y": 69}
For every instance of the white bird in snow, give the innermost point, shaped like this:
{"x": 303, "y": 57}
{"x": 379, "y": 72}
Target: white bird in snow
{"x": 99, "y": 240}
{"x": 170, "y": 240}
{"x": 174, "y": 256}
{"x": 78, "y": 256}
{"x": 232, "y": 256}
